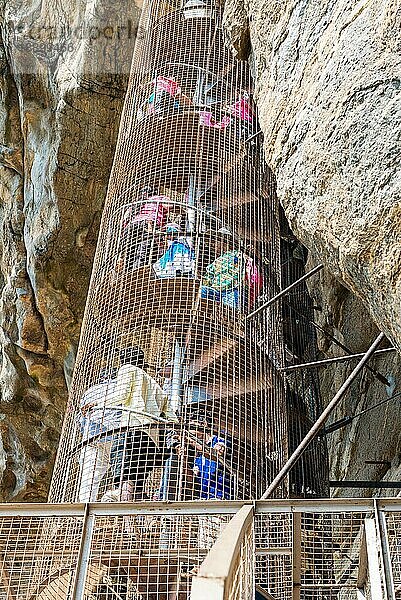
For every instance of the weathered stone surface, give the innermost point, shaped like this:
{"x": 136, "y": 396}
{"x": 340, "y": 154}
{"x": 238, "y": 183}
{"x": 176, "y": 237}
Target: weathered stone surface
{"x": 328, "y": 89}
{"x": 369, "y": 448}
{"x": 64, "y": 69}
{"x": 328, "y": 82}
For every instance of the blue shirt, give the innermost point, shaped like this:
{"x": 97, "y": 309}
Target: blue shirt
{"x": 215, "y": 482}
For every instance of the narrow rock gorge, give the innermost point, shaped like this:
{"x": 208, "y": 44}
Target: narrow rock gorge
{"x": 327, "y": 86}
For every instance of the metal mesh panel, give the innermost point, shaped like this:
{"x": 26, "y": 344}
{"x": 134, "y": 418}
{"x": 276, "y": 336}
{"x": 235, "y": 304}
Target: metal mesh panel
{"x": 302, "y": 386}
{"x": 145, "y": 555}
{"x": 316, "y": 554}
{"x": 393, "y": 523}
{"x": 151, "y": 557}
{"x": 176, "y": 393}
{"x": 242, "y": 584}
{"x": 38, "y": 557}
{"x": 273, "y": 542}
{"x": 152, "y": 551}
{"x": 330, "y": 554}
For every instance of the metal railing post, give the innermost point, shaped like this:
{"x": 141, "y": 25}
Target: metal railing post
{"x": 296, "y": 555}
{"x": 373, "y": 561}
{"x": 83, "y": 556}
{"x": 385, "y": 553}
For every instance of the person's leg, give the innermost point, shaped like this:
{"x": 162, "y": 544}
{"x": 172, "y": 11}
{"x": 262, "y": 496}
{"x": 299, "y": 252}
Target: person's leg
{"x": 141, "y": 457}
{"x": 87, "y": 462}
{"x": 102, "y": 463}
{"x": 94, "y": 462}
{"x": 127, "y": 491}
{"x": 117, "y": 459}
{"x": 127, "y": 495}
{"x": 169, "y": 472}
{"x": 139, "y": 461}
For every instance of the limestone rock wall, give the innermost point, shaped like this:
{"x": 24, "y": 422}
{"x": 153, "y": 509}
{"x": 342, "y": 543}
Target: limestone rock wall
{"x": 328, "y": 79}
{"x": 368, "y": 448}
{"x": 64, "y": 69}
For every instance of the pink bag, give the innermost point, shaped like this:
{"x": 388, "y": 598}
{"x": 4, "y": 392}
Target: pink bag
{"x": 253, "y": 280}
{"x": 206, "y": 119}
{"x": 242, "y": 110}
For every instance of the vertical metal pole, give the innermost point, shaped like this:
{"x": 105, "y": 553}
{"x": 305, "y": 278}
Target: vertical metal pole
{"x": 298, "y": 452}
{"x": 296, "y": 556}
{"x": 176, "y": 380}
{"x": 83, "y": 556}
{"x": 176, "y": 399}
{"x": 145, "y": 237}
{"x": 372, "y": 548}
{"x": 385, "y": 552}
{"x": 191, "y": 204}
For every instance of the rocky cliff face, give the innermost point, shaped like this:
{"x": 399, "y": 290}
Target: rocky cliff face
{"x": 328, "y": 82}
{"x": 327, "y": 76}
{"x": 64, "y": 69}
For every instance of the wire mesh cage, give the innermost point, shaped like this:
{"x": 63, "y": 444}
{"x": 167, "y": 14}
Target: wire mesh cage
{"x": 309, "y": 555}
{"x": 176, "y": 393}
{"x": 38, "y": 556}
{"x": 141, "y": 556}
{"x": 310, "y": 476}
{"x": 342, "y": 550}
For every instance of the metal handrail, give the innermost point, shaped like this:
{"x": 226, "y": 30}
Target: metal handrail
{"x": 215, "y": 572}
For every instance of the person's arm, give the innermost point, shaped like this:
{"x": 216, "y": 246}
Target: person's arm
{"x": 194, "y": 441}
{"x": 196, "y": 468}
{"x": 92, "y": 398}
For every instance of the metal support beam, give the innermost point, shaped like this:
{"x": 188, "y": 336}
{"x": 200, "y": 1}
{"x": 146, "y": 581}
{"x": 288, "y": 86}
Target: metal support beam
{"x": 296, "y": 556}
{"x": 372, "y": 550}
{"x": 284, "y": 292}
{"x": 261, "y": 593}
{"x": 328, "y": 361}
{"x": 251, "y": 137}
{"x": 378, "y": 375}
{"x": 366, "y": 484}
{"x": 298, "y": 452}
{"x": 385, "y": 553}
{"x": 83, "y": 556}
